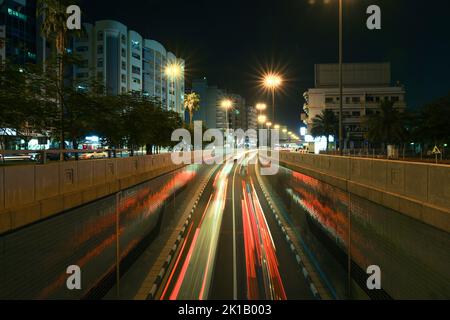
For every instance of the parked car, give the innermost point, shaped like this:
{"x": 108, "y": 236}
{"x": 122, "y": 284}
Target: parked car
{"x": 15, "y": 157}
{"x": 94, "y": 155}
{"x": 51, "y": 156}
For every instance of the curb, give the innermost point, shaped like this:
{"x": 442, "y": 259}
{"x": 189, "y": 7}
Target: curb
{"x": 180, "y": 239}
{"x": 305, "y": 273}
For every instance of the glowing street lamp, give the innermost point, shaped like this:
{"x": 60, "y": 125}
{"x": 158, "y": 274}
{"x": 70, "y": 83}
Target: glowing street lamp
{"x": 272, "y": 82}
{"x": 261, "y": 107}
{"x": 174, "y": 70}
{"x": 262, "y": 119}
{"x": 277, "y": 127}
{"x": 227, "y": 104}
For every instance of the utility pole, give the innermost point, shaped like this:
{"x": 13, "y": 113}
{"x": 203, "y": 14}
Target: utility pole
{"x": 341, "y": 102}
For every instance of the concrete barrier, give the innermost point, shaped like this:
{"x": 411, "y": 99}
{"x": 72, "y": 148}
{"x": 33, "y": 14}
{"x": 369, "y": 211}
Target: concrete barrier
{"x": 30, "y": 193}
{"x": 418, "y": 190}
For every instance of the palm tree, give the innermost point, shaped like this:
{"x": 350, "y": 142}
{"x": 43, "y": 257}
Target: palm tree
{"x": 192, "y": 104}
{"x": 387, "y": 126}
{"x": 325, "y": 124}
{"x": 54, "y": 28}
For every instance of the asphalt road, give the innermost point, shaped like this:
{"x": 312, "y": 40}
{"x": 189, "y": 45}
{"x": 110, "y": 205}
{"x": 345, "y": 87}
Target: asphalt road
{"x": 234, "y": 248}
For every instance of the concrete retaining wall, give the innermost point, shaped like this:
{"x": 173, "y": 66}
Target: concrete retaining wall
{"x": 420, "y": 191}
{"x": 33, "y": 192}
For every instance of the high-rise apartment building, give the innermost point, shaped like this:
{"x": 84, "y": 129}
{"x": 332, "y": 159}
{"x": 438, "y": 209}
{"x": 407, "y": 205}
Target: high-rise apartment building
{"x": 366, "y": 85}
{"x": 212, "y": 112}
{"x": 125, "y": 62}
{"x": 18, "y": 32}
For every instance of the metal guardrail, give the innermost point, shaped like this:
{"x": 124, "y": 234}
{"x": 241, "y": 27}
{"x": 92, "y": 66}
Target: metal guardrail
{"x": 403, "y": 156}
{"x": 44, "y": 156}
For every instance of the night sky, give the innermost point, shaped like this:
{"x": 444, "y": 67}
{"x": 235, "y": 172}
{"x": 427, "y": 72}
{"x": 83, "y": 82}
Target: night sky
{"x": 232, "y": 41}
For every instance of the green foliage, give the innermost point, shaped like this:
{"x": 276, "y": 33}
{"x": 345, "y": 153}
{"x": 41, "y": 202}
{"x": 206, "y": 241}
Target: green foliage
{"x": 434, "y": 120}
{"x": 387, "y": 126}
{"x": 325, "y": 124}
{"x": 27, "y": 104}
{"x": 192, "y": 104}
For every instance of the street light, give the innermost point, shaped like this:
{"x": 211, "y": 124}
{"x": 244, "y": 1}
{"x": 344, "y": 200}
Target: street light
{"x": 227, "y": 104}
{"x": 261, "y": 107}
{"x": 262, "y": 119}
{"x": 272, "y": 82}
{"x": 277, "y": 127}
{"x": 341, "y": 102}
{"x": 173, "y": 70}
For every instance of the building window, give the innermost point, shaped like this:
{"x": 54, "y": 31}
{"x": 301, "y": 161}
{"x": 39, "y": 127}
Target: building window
{"x": 356, "y": 114}
{"x": 135, "y": 45}
{"x": 356, "y": 100}
{"x": 83, "y": 49}
{"x": 124, "y": 90}
{"x": 329, "y": 100}
{"x": 124, "y": 65}
{"x": 84, "y": 64}
{"x": 100, "y": 36}
{"x": 100, "y": 50}
{"x": 82, "y": 75}
{"x": 395, "y": 99}
{"x": 136, "y": 70}
{"x": 100, "y": 75}
{"x": 100, "y": 63}
{"x": 136, "y": 56}
{"x": 124, "y": 53}
{"x": 370, "y": 99}
{"x": 17, "y": 14}
{"x": 123, "y": 39}
{"x": 124, "y": 78}
{"x": 136, "y": 80}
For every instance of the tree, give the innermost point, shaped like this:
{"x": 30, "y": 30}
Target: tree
{"x": 192, "y": 104}
{"x": 54, "y": 28}
{"x": 387, "y": 126}
{"x": 325, "y": 124}
{"x": 24, "y": 104}
{"x": 435, "y": 121}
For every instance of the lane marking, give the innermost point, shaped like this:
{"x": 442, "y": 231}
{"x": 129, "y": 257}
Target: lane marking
{"x": 234, "y": 236}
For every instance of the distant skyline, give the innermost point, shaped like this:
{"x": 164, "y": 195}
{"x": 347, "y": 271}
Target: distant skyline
{"x": 230, "y": 41}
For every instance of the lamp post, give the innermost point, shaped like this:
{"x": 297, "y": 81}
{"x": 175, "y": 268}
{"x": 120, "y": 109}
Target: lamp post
{"x": 269, "y": 125}
{"x": 174, "y": 71}
{"x": 262, "y": 120}
{"x": 227, "y": 104}
{"x": 260, "y": 107}
{"x": 272, "y": 82}
{"x": 341, "y": 102}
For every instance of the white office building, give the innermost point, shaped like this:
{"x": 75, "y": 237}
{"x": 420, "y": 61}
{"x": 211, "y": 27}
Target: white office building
{"x": 366, "y": 85}
{"x": 124, "y": 62}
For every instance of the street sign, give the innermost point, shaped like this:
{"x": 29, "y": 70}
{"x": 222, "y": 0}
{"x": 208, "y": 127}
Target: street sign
{"x": 436, "y": 151}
